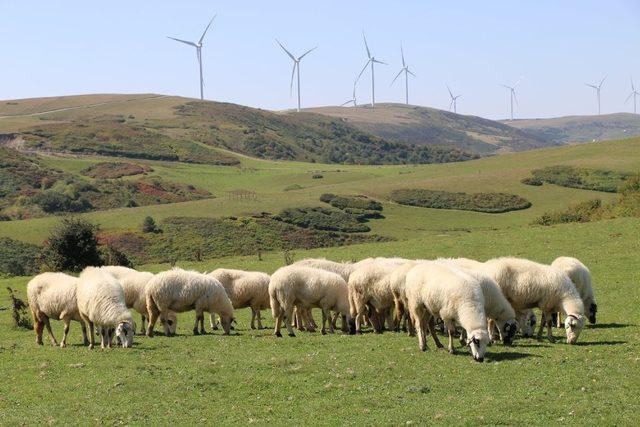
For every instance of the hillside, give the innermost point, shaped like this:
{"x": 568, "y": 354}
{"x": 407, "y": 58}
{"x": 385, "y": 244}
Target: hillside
{"x": 179, "y": 129}
{"x": 573, "y": 129}
{"x": 433, "y": 127}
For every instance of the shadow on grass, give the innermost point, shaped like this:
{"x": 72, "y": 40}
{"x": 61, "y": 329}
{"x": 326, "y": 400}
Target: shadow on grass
{"x": 530, "y": 345}
{"x": 585, "y": 343}
{"x": 511, "y": 355}
{"x": 609, "y": 325}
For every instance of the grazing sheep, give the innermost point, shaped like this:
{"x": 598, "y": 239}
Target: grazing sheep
{"x": 581, "y": 278}
{"x": 527, "y": 284}
{"x": 370, "y": 291}
{"x": 527, "y": 323}
{"x": 117, "y": 271}
{"x": 307, "y": 287}
{"x": 397, "y": 281}
{"x": 178, "y": 290}
{"x": 245, "y": 289}
{"x": 53, "y": 296}
{"x": 435, "y": 289}
{"x": 344, "y": 269}
{"x": 496, "y": 307}
{"x": 101, "y": 302}
{"x": 134, "y": 285}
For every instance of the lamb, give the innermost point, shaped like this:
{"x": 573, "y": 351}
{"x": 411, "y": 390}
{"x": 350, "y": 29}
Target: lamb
{"x": 101, "y": 302}
{"x": 369, "y": 289}
{"x": 581, "y": 278}
{"x": 245, "y": 289}
{"x": 435, "y": 289}
{"x": 179, "y": 290}
{"x": 496, "y": 306}
{"x": 307, "y": 287}
{"x": 53, "y": 295}
{"x": 527, "y": 284}
{"x": 134, "y": 284}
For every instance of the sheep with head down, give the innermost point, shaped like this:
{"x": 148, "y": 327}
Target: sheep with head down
{"x": 179, "y": 290}
{"x": 53, "y": 296}
{"x": 436, "y": 289}
{"x": 101, "y": 303}
{"x": 528, "y": 284}
{"x": 307, "y": 287}
{"x": 581, "y": 278}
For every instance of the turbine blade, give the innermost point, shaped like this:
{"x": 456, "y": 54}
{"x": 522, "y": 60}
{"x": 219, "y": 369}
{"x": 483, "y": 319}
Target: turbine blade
{"x": 593, "y": 86}
{"x": 345, "y": 103}
{"x": 516, "y": 83}
{"x": 629, "y": 97}
{"x": 304, "y": 54}
{"x": 293, "y": 73}
{"x": 602, "y": 81}
{"x": 450, "y": 93}
{"x": 206, "y": 29}
{"x": 183, "y": 41}
{"x": 286, "y": 51}
{"x": 451, "y": 103}
{"x": 633, "y": 89}
{"x": 409, "y": 71}
{"x": 366, "y": 45}
{"x": 363, "y": 68}
{"x": 515, "y": 98}
{"x": 506, "y": 87}
{"x": 379, "y": 62}
{"x": 402, "y": 53}
{"x": 396, "y": 77}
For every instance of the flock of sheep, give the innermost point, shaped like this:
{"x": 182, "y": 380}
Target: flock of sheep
{"x": 485, "y": 302}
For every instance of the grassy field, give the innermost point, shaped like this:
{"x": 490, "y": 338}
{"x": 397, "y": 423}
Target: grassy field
{"x": 252, "y": 377}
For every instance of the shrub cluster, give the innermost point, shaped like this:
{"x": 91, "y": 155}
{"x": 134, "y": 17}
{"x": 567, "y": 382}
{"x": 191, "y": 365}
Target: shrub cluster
{"x": 573, "y": 177}
{"x": 479, "y": 202}
{"x": 319, "y": 218}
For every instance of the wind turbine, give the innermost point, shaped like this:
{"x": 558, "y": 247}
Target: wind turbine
{"x": 198, "y": 47}
{"x": 633, "y": 93}
{"x": 353, "y": 99}
{"x": 296, "y": 66}
{"x": 372, "y": 60}
{"x": 597, "y": 88}
{"x": 405, "y": 69}
{"x": 512, "y": 94}
{"x": 454, "y": 101}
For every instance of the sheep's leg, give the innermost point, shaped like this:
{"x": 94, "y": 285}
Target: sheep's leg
{"x": 253, "y": 319}
{"x": 421, "y": 331}
{"x": 154, "y": 312}
{"x": 202, "y": 330}
{"x": 65, "y": 332}
{"x": 543, "y": 322}
{"x": 432, "y": 331}
{"x": 323, "y": 331}
{"x": 559, "y": 322}
{"x": 491, "y": 329}
{"x": 334, "y": 321}
{"x": 92, "y": 336}
{"x": 85, "y": 339}
{"x": 279, "y": 317}
{"x": 463, "y": 338}
{"x": 143, "y": 318}
{"x": 50, "y": 332}
{"x": 550, "y": 330}
{"x": 411, "y": 330}
{"x": 259, "y": 319}
{"x": 288, "y": 317}
{"x": 195, "y": 326}
{"x": 307, "y": 318}
{"x": 213, "y": 322}
{"x": 451, "y": 327}
{"x": 312, "y": 321}
{"x": 38, "y": 326}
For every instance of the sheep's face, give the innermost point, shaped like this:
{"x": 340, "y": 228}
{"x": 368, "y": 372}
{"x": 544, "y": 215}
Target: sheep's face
{"x": 172, "y": 321}
{"x": 593, "y": 309}
{"x": 528, "y": 324}
{"x": 509, "y": 330}
{"x": 477, "y": 342}
{"x": 573, "y": 326}
{"x": 125, "y": 332}
{"x": 225, "y": 322}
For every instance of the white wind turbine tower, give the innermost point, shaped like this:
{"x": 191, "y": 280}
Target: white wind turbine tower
{"x": 406, "y": 71}
{"x": 372, "y": 60}
{"x": 633, "y": 93}
{"x": 296, "y": 66}
{"x": 198, "y": 47}
{"x": 512, "y": 95}
{"x": 597, "y": 88}
{"x": 454, "y": 101}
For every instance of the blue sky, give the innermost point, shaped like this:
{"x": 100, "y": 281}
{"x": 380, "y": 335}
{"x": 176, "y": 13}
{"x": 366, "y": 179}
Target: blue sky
{"x": 70, "y": 47}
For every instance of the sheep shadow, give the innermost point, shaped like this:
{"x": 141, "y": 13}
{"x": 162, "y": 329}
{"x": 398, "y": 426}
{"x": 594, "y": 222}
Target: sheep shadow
{"x": 510, "y": 355}
{"x": 610, "y": 325}
{"x": 585, "y": 343}
{"x": 538, "y": 344}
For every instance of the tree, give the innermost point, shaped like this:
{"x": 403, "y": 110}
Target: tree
{"x": 72, "y": 245}
{"x": 149, "y": 225}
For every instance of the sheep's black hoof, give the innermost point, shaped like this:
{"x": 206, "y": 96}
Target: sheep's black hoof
{"x": 358, "y": 332}
{"x": 324, "y": 332}
{"x": 278, "y": 334}
{"x": 195, "y": 332}
{"x": 292, "y": 335}
{"x": 452, "y": 351}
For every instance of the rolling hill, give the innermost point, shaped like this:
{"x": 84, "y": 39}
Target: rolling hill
{"x": 432, "y": 127}
{"x": 179, "y": 129}
{"x": 576, "y": 129}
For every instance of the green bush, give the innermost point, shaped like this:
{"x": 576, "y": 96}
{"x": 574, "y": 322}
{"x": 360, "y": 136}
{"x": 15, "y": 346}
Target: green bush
{"x": 149, "y": 225}
{"x": 353, "y": 202}
{"x": 479, "y": 202}
{"x": 581, "y": 212}
{"x": 322, "y": 219}
{"x": 583, "y": 178}
{"x": 18, "y": 258}
{"x": 72, "y": 245}
{"x": 532, "y": 181}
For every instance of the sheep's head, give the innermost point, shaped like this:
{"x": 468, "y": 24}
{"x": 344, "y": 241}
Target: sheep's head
{"x": 528, "y": 324}
{"x": 593, "y": 309}
{"x": 509, "y": 330}
{"x": 225, "y": 322}
{"x": 573, "y": 326}
{"x": 172, "y": 322}
{"x": 125, "y": 332}
{"x": 477, "y": 341}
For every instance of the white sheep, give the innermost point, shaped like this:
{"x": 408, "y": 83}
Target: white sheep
{"x": 527, "y": 284}
{"x": 245, "y": 289}
{"x": 179, "y": 290}
{"x": 307, "y": 287}
{"x": 496, "y": 307}
{"x": 53, "y": 296}
{"x": 101, "y": 302}
{"x": 435, "y": 289}
{"x": 581, "y": 278}
{"x": 134, "y": 284}
{"x": 117, "y": 271}
{"x": 369, "y": 291}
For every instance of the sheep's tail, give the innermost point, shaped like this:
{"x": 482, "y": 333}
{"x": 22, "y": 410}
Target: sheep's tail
{"x": 276, "y": 308}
